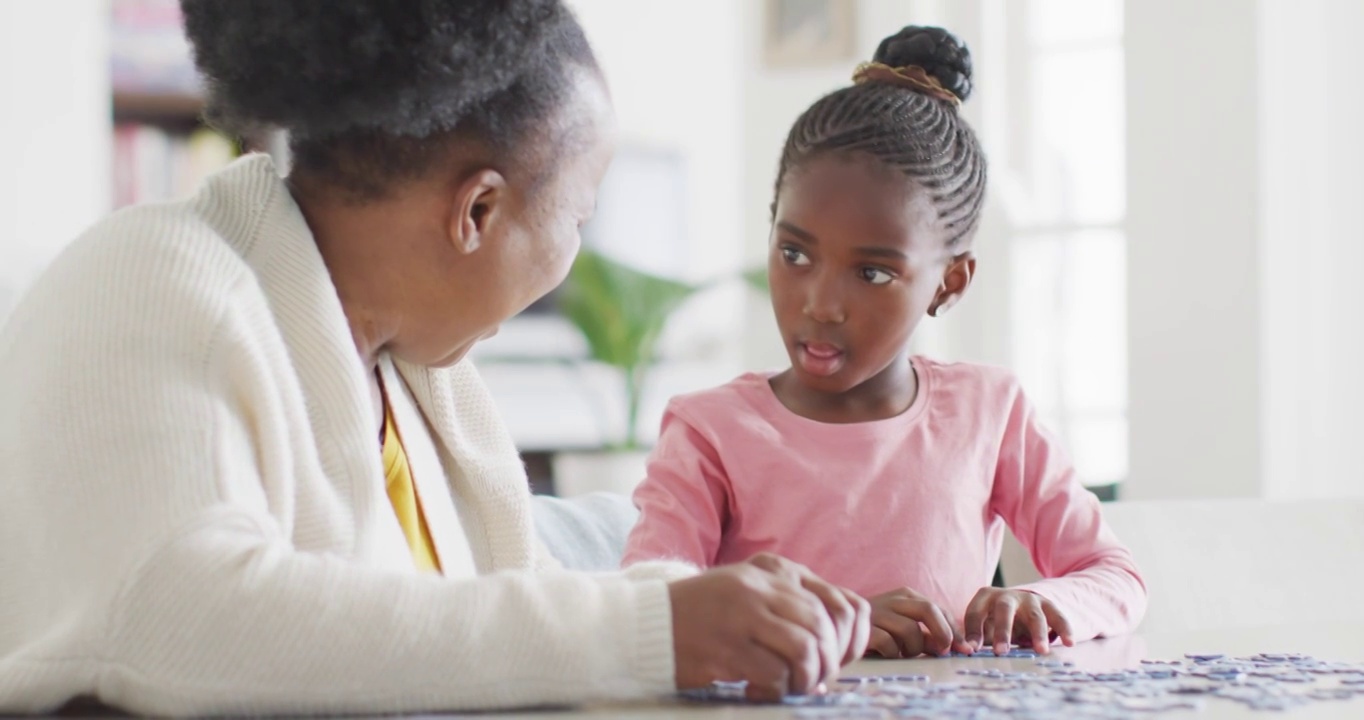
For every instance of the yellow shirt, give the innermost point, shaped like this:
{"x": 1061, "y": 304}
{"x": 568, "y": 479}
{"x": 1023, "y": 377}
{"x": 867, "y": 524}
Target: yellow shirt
{"x": 403, "y": 494}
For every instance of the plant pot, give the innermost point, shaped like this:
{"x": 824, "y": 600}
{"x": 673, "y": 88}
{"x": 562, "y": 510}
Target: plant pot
{"x": 579, "y": 473}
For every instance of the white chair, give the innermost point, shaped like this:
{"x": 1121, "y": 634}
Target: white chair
{"x": 1219, "y": 564}
{"x": 585, "y": 532}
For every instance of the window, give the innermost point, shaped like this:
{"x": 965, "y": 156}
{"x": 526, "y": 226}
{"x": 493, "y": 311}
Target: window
{"x": 1063, "y": 188}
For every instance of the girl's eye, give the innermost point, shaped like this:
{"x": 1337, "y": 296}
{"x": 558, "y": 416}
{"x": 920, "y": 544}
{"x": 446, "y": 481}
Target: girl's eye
{"x": 876, "y": 276}
{"x": 794, "y": 256}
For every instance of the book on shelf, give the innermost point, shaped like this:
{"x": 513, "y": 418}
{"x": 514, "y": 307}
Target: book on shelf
{"x": 151, "y": 164}
{"x": 162, "y": 149}
{"x": 148, "y": 51}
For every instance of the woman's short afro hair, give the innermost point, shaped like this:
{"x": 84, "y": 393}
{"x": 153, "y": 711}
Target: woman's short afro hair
{"x": 352, "y": 76}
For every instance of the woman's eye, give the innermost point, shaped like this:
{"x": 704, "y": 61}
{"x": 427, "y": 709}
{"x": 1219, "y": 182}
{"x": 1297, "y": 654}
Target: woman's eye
{"x": 876, "y": 276}
{"x": 794, "y": 256}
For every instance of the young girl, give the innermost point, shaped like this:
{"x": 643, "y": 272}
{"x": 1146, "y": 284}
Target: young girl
{"x": 880, "y": 471}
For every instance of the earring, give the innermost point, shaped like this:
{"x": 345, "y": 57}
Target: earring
{"x": 940, "y": 310}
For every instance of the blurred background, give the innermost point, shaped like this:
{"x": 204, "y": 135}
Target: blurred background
{"x": 1169, "y": 258}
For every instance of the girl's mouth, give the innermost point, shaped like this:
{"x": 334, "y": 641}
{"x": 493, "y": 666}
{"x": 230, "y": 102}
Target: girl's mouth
{"x": 819, "y": 359}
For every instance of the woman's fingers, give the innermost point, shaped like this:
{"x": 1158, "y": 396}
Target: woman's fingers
{"x": 861, "y": 626}
{"x": 806, "y": 637}
{"x": 797, "y": 648}
{"x": 768, "y": 675}
{"x": 839, "y": 618}
{"x": 843, "y": 615}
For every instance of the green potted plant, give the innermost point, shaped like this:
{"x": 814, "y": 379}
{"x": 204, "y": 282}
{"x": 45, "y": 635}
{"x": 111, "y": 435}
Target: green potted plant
{"x": 757, "y": 279}
{"x": 621, "y": 312}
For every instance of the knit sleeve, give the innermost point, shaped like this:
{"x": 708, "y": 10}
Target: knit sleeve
{"x": 135, "y": 484}
{"x": 1087, "y": 572}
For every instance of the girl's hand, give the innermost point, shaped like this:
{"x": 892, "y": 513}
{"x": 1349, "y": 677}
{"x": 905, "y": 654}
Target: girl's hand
{"x": 769, "y": 622}
{"x": 1001, "y": 616}
{"x": 906, "y": 624}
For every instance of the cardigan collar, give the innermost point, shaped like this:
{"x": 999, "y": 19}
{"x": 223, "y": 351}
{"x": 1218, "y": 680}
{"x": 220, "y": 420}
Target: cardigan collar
{"x": 481, "y": 461}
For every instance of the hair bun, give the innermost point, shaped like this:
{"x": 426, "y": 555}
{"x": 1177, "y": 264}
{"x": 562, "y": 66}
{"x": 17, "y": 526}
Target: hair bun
{"x": 934, "y": 49}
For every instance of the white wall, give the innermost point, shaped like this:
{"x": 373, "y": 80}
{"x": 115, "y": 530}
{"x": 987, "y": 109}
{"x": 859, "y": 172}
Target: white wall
{"x": 673, "y": 69}
{"x": 672, "y": 72}
{"x": 1193, "y": 275}
{"x": 1340, "y": 265}
{"x": 1244, "y": 298}
{"x": 55, "y": 122}
{"x": 1312, "y": 247}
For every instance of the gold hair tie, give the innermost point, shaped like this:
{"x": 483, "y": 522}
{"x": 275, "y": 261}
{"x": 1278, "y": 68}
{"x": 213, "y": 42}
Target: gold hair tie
{"x": 910, "y": 76}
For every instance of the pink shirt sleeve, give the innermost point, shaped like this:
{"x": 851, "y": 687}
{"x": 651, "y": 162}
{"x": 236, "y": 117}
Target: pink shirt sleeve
{"x": 683, "y": 501}
{"x": 1089, "y": 574}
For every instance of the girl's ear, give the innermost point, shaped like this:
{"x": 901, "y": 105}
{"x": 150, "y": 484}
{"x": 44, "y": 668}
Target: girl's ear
{"x": 956, "y": 279}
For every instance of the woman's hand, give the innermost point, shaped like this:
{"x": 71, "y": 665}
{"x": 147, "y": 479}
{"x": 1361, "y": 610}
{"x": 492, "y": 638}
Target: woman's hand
{"x": 906, "y": 624}
{"x": 768, "y": 621}
{"x": 1000, "y": 617}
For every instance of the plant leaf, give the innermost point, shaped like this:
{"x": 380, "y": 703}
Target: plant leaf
{"x": 757, "y": 279}
{"x": 621, "y": 311}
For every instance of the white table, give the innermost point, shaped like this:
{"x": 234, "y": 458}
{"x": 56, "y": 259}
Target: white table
{"x": 1344, "y": 644}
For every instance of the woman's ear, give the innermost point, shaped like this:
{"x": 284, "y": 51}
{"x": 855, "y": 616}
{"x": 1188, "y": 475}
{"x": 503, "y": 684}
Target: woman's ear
{"x": 956, "y": 280}
{"x": 477, "y": 208}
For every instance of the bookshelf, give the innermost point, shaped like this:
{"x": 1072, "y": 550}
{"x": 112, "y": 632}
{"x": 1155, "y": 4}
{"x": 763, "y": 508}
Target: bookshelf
{"x": 162, "y": 147}
{"x": 159, "y": 107}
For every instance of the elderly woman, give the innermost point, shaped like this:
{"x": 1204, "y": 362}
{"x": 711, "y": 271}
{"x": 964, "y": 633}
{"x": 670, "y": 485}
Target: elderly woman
{"x": 245, "y": 468}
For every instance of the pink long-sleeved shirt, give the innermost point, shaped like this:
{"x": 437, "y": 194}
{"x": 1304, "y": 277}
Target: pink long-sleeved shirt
{"x": 917, "y": 500}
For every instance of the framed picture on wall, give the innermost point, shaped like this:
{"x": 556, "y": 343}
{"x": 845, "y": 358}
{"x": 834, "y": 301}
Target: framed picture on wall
{"x": 809, "y": 33}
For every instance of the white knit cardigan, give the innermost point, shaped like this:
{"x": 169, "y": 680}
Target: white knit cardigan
{"x": 192, "y": 512}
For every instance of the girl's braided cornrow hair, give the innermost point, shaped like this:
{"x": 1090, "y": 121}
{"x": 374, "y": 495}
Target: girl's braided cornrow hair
{"x": 898, "y": 113}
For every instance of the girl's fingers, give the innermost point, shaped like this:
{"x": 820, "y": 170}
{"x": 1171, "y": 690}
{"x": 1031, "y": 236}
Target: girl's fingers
{"x": 959, "y": 643}
{"x": 1059, "y": 624}
{"x": 881, "y": 643}
{"x": 1003, "y": 615}
{"x": 1033, "y": 624}
{"x": 924, "y": 611}
{"x": 908, "y": 636}
{"x": 976, "y": 613}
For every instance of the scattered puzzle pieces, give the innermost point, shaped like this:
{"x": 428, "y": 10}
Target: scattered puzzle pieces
{"x": 1053, "y": 690}
{"x": 1014, "y": 653}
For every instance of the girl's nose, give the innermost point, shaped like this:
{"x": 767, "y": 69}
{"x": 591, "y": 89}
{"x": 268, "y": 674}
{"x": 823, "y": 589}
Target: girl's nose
{"x": 823, "y": 303}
